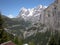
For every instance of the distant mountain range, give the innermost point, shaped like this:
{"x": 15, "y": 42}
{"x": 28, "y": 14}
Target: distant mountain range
{"x": 32, "y": 15}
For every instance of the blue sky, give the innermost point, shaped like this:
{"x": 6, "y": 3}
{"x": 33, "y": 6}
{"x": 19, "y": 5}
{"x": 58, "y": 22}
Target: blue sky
{"x": 12, "y": 7}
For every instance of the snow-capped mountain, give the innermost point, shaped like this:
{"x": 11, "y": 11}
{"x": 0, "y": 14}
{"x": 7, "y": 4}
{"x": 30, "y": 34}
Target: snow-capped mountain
{"x": 31, "y": 14}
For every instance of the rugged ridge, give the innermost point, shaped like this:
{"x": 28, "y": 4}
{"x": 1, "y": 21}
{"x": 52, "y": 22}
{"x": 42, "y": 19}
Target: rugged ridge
{"x": 32, "y": 14}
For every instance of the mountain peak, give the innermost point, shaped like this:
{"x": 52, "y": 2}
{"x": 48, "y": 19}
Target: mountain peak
{"x": 24, "y": 9}
{"x": 31, "y": 14}
{"x": 40, "y": 6}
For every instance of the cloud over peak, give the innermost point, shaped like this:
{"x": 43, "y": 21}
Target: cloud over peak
{"x": 10, "y": 16}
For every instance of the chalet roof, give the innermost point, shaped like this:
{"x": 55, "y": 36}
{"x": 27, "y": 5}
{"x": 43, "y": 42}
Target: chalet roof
{"x": 8, "y": 43}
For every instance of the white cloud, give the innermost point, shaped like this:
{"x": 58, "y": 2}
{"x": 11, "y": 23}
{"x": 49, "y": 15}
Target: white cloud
{"x": 45, "y": 6}
{"x": 10, "y": 16}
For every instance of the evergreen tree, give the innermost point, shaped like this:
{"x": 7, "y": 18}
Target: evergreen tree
{"x": 55, "y": 39}
{"x": 1, "y": 29}
{"x": 3, "y": 33}
{"x": 52, "y": 41}
{"x": 18, "y": 40}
